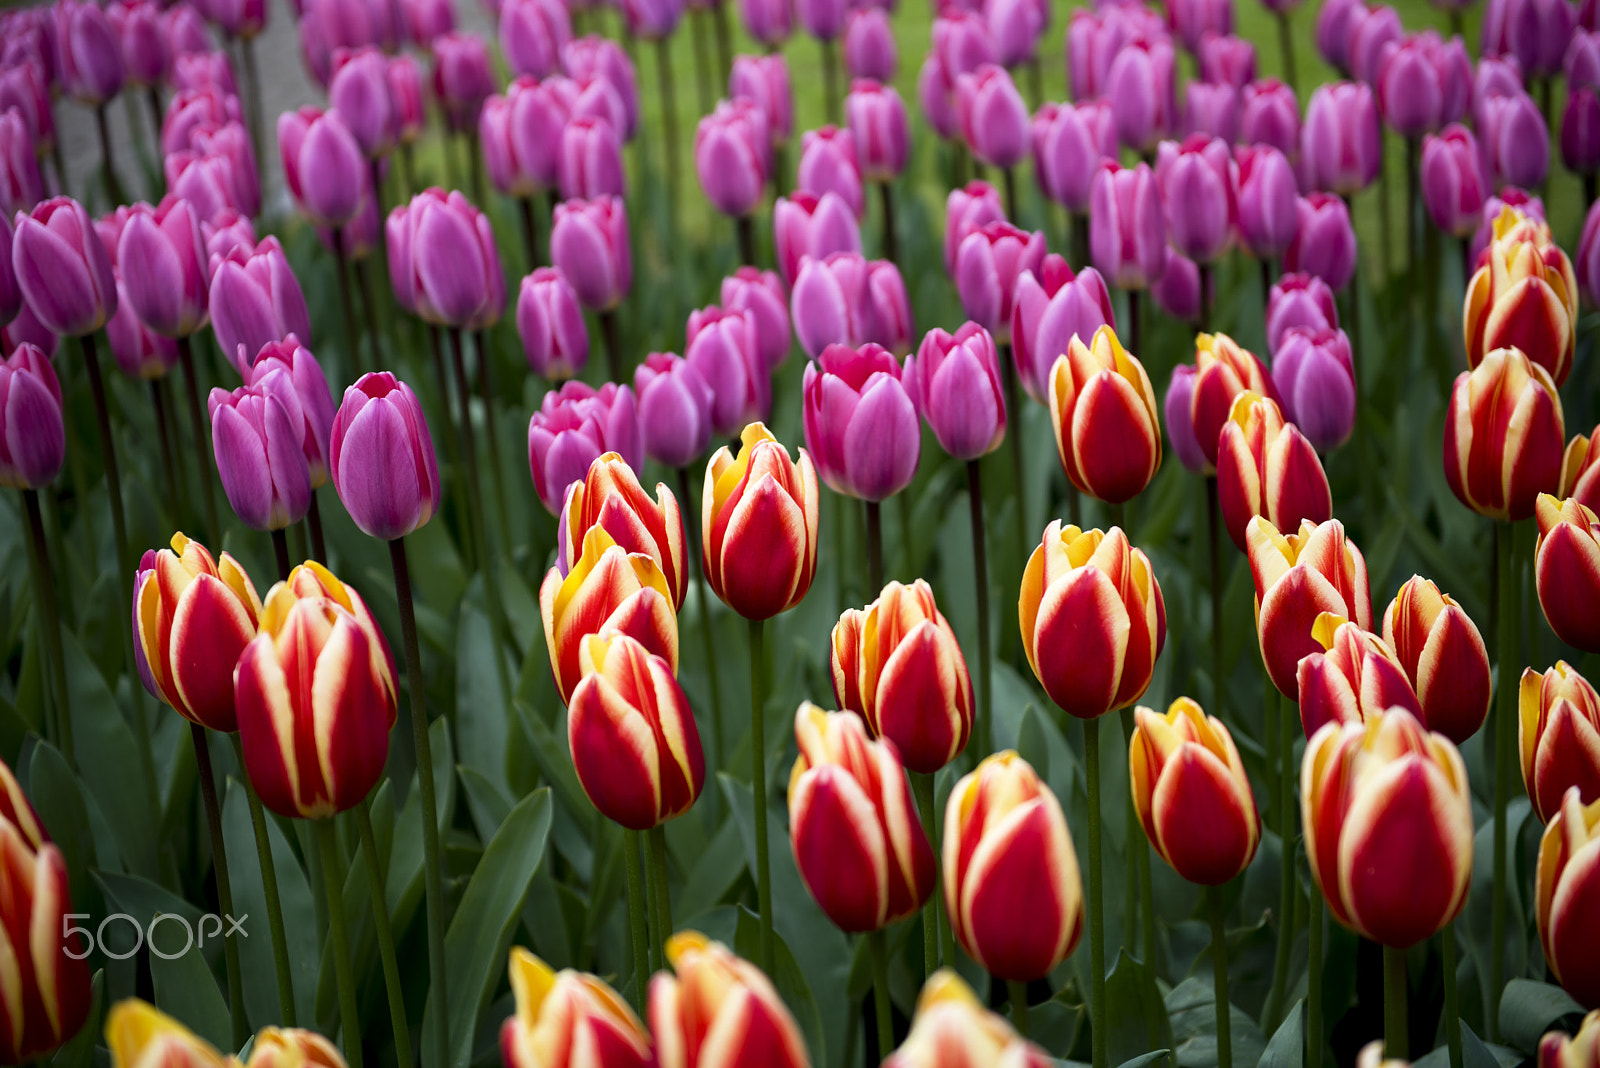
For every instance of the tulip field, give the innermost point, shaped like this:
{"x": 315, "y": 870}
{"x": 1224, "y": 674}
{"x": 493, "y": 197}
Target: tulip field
{"x": 787, "y": 533}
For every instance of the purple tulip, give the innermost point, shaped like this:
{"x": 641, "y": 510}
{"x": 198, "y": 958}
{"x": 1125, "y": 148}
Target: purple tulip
{"x": 1177, "y": 291}
{"x": 237, "y": 18}
{"x": 1227, "y": 60}
{"x": 1016, "y": 26}
{"x": 764, "y": 81}
{"x": 1580, "y": 132}
{"x": 146, "y": 54}
{"x": 322, "y": 165}
{"x": 768, "y": 21}
{"x": 1373, "y": 31}
{"x": 844, "y": 299}
{"x": 193, "y": 109}
{"x": 463, "y": 77}
{"x": 994, "y": 120}
{"x": 10, "y": 293}
{"x": 381, "y": 458}
{"x": 880, "y": 129}
{"x": 889, "y": 319}
{"x": 1495, "y": 77}
{"x": 90, "y": 63}
{"x": 589, "y": 243}
{"x": 869, "y": 48}
{"x": 591, "y": 160}
{"x": 1588, "y": 258}
{"x": 1515, "y": 141}
{"x": 1333, "y": 31}
{"x": 731, "y": 151}
{"x": 988, "y": 264}
{"x": 1051, "y": 306}
{"x": 257, "y": 434}
{"x": 1581, "y": 63}
{"x": 361, "y": 95}
{"x": 674, "y": 409}
{"x": 255, "y": 300}
{"x": 165, "y": 268}
{"x": 574, "y": 426}
{"x": 1191, "y": 20}
{"x": 442, "y": 258}
{"x": 1180, "y": 419}
{"x": 1316, "y": 378}
{"x": 25, "y": 90}
{"x": 21, "y": 187}
{"x": 961, "y": 44}
{"x": 426, "y": 20}
{"x": 972, "y": 207}
{"x": 521, "y": 134}
{"x": 1270, "y": 115}
{"x": 208, "y": 182}
{"x": 1340, "y": 144}
{"x": 592, "y": 57}
{"x": 532, "y": 34}
{"x": 1069, "y": 143}
{"x": 954, "y": 382}
{"x": 550, "y": 323}
{"x": 1508, "y": 197}
{"x": 1424, "y": 83}
{"x": 300, "y": 368}
{"x": 653, "y": 20}
{"x": 1141, "y": 85}
{"x": 822, "y": 19}
{"x": 1325, "y": 243}
{"x": 204, "y": 70}
{"x": 805, "y": 224}
{"x": 63, "y": 269}
{"x": 33, "y": 436}
{"x": 1269, "y": 210}
{"x": 860, "y": 424}
{"x": 828, "y": 165}
{"x": 1535, "y": 32}
{"x": 139, "y": 352}
{"x": 724, "y": 347}
{"x": 358, "y": 238}
{"x": 1095, "y": 39}
{"x": 1299, "y": 300}
{"x": 1127, "y": 226}
{"x": 228, "y": 232}
{"x": 762, "y": 294}
{"x": 1452, "y": 180}
{"x": 1211, "y": 110}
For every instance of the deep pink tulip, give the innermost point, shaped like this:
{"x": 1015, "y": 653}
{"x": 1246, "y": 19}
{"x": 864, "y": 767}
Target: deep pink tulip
{"x": 25, "y": 90}
{"x": 255, "y": 299}
{"x": 1269, "y": 210}
{"x": 961, "y": 44}
{"x": 652, "y": 20}
{"x": 1340, "y": 144}
{"x": 593, "y": 57}
{"x": 1515, "y": 141}
{"x": 1373, "y": 30}
{"x": 186, "y": 31}
{"x": 822, "y": 19}
{"x": 1316, "y": 379}
{"x": 860, "y": 424}
{"x": 1424, "y": 83}
{"x": 63, "y": 269}
{"x": 828, "y": 165}
{"x": 1016, "y": 26}
{"x": 218, "y": 184}
{"x": 936, "y": 97}
{"x": 764, "y": 81}
{"x": 590, "y": 164}
{"x": 1095, "y": 38}
{"x": 971, "y": 207}
{"x": 889, "y": 316}
{"x": 768, "y": 21}
{"x": 1299, "y": 300}
{"x": 191, "y": 110}
{"x": 1496, "y": 77}
{"x": 361, "y": 94}
{"x": 322, "y": 165}
{"x": 1211, "y": 109}
{"x": 763, "y": 295}
{"x": 1580, "y": 131}
{"x": 381, "y": 458}
{"x": 521, "y": 134}
{"x": 1587, "y": 261}
{"x": 847, "y": 300}
{"x": 1227, "y": 60}
{"x": 1191, "y": 20}
{"x": 1453, "y": 187}
{"x": 1051, "y": 306}
{"x": 1127, "y": 226}
{"x": 26, "y": 329}
{"x": 293, "y": 360}
{"x": 10, "y": 293}
{"x": 21, "y": 186}
{"x": 1270, "y": 115}
{"x": 1069, "y": 143}
{"x": 988, "y": 264}
{"x": 1179, "y": 411}
{"x": 90, "y": 67}
{"x": 880, "y": 129}
{"x": 442, "y": 258}
{"x": 869, "y": 48}
{"x": 33, "y": 437}
{"x": 146, "y": 54}
{"x": 426, "y": 19}
{"x": 994, "y": 120}
{"x": 574, "y": 426}
{"x": 405, "y": 91}
{"x": 204, "y": 70}
{"x": 550, "y": 324}
{"x": 1141, "y": 85}
{"x": 1535, "y": 32}
{"x": 237, "y": 18}
{"x": 674, "y": 409}
{"x": 532, "y": 34}
{"x": 165, "y": 268}
{"x": 257, "y": 433}
{"x": 723, "y": 346}
{"x": 731, "y": 151}
{"x": 804, "y": 224}
{"x": 954, "y": 382}
{"x": 139, "y": 352}
{"x": 463, "y": 77}
{"x": 1177, "y": 291}
{"x": 589, "y": 243}
{"x": 1325, "y": 243}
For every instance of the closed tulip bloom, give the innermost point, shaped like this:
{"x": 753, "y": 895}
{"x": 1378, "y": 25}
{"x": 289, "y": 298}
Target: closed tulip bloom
{"x": 1103, "y": 412}
{"x": 1580, "y": 470}
{"x": 90, "y": 67}
{"x": 1178, "y": 409}
{"x": 610, "y": 496}
{"x": 847, "y": 300}
{"x": 293, "y": 1047}
{"x": 1359, "y": 677}
{"x": 1535, "y": 32}
{"x": 21, "y": 186}
{"x": 1524, "y": 296}
{"x": 463, "y": 77}
{"x": 762, "y": 294}
{"x": 257, "y": 433}
{"x": 323, "y": 165}
{"x": 442, "y": 258}
{"x": 1069, "y": 143}
{"x": 759, "y": 525}
{"x": 987, "y": 267}
{"x": 1211, "y": 110}
{"x": 1494, "y": 205}
{"x": 724, "y": 349}
{"x": 1092, "y": 617}
{"x": 1453, "y": 185}
{"x": 1515, "y": 140}
{"x": 1580, "y": 131}
{"x": 1200, "y": 187}
{"x": 521, "y": 134}
{"x": 1299, "y": 576}
{"x": 1049, "y": 308}
{"x": 1503, "y": 436}
{"x": 590, "y": 163}
{"x": 532, "y": 33}
{"x": 1193, "y": 20}
{"x": 860, "y": 423}
{"x": 961, "y": 43}
{"x": 767, "y": 21}
{"x": 1269, "y": 201}
{"x": 1559, "y": 1050}
{"x": 1316, "y": 378}
{"x": 568, "y": 1019}
{"x": 674, "y": 409}
{"x": 1095, "y": 39}
{"x": 138, "y": 352}
{"x": 808, "y": 224}
{"x": 1141, "y": 84}
{"x": 381, "y": 458}
{"x": 1269, "y": 114}
{"x": 1558, "y": 737}
{"x": 1568, "y": 888}
{"x": 857, "y": 839}
{"x": 730, "y": 156}
{"x": 254, "y": 300}
{"x": 713, "y": 1008}
{"x": 589, "y": 244}
{"x": 828, "y": 165}
{"x": 1011, "y": 880}
{"x": 1567, "y": 569}
{"x": 1444, "y": 657}
{"x": 1226, "y": 60}
{"x": 1340, "y": 142}
{"x": 193, "y": 110}
{"x": 1177, "y": 291}
{"x": 952, "y": 1029}
{"x": 427, "y": 19}
{"x": 994, "y": 120}
{"x": 1325, "y": 242}
{"x": 1374, "y": 30}
{"x": 1266, "y": 467}
{"x": 139, "y": 1035}
{"x": 822, "y": 19}
{"x": 1580, "y": 63}
{"x": 593, "y": 57}
{"x": 1299, "y": 300}
{"x": 869, "y": 48}
{"x": 1388, "y": 823}
{"x": 575, "y": 425}
{"x": 361, "y": 95}
{"x": 192, "y": 617}
{"x": 228, "y": 232}
{"x": 954, "y": 381}
{"x": 1016, "y": 26}
{"x": 878, "y": 125}
{"x": 311, "y": 391}
{"x": 967, "y": 209}
{"x": 146, "y": 55}
{"x": 1223, "y": 370}
{"x": 33, "y": 440}
{"x": 164, "y": 266}
{"x": 764, "y": 81}
{"x": 1588, "y": 265}
{"x": 1424, "y": 83}
{"x": 1128, "y": 226}
{"x": 63, "y": 269}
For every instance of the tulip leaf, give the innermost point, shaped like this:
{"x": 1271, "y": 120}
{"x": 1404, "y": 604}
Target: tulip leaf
{"x": 1136, "y": 1018}
{"x": 787, "y": 977}
{"x": 713, "y": 875}
{"x": 486, "y": 803}
{"x": 186, "y": 989}
{"x": 1528, "y": 1009}
{"x": 480, "y": 712}
{"x": 1194, "y": 1026}
{"x": 1287, "y": 1048}
{"x": 54, "y": 792}
{"x": 480, "y": 933}
{"x": 1155, "y": 1056}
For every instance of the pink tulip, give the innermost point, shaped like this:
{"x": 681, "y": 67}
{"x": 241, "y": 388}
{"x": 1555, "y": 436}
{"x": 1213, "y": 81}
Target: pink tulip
{"x": 994, "y": 120}
{"x": 1453, "y": 186}
{"x": 322, "y": 165}
{"x": 731, "y": 153}
{"x": 1270, "y": 115}
{"x": 1127, "y": 226}
{"x": 1051, "y": 306}
{"x": 1069, "y": 143}
{"x": 591, "y": 57}
{"x": 860, "y": 424}
{"x": 828, "y": 165}
{"x": 1298, "y": 300}
{"x": 764, "y": 81}
{"x": 674, "y": 409}
{"x": 550, "y": 324}
{"x": 869, "y": 48}
{"x": 808, "y": 225}
{"x": 532, "y": 34}
{"x": 1227, "y": 60}
{"x": 589, "y": 244}
{"x": 573, "y": 427}
{"x": 165, "y": 267}
{"x": 954, "y": 382}
{"x": 878, "y": 125}
{"x": 361, "y": 94}
{"x": 988, "y": 264}
{"x": 722, "y": 346}
{"x": 590, "y": 164}
{"x": 1340, "y": 144}
{"x": 254, "y": 300}
{"x": 1269, "y": 211}
{"x": 762, "y": 294}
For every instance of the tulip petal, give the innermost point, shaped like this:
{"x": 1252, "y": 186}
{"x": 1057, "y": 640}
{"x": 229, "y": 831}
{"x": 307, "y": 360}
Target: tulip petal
{"x": 839, "y": 848}
{"x": 1205, "y": 829}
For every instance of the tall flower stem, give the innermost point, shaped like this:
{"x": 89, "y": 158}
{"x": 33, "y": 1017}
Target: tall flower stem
{"x": 1008, "y": 179}
{"x": 652, "y": 903}
{"x": 497, "y": 478}
{"x": 280, "y": 552}
{"x": 108, "y": 453}
{"x": 113, "y": 185}
{"x": 369, "y": 311}
{"x": 1097, "y": 906}
{"x": 1018, "y": 993}
{"x": 891, "y": 240}
{"x": 1394, "y": 1004}
{"x": 45, "y": 584}
{"x": 339, "y": 939}
{"x": 657, "y": 837}
{"x": 758, "y": 786}
{"x": 669, "y": 124}
{"x": 980, "y": 573}
{"x": 1008, "y": 377}
{"x": 1214, "y": 548}
{"x": 219, "y": 868}
{"x": 719, "y": 12}
{"x": 376, "y": 881}
{"x": 1504, "y": 745}
{"x": 1452, "y": 1008}
{"x": 1287, "y": 721}
{"x": 1286, "y": 49}
{"x": 433, "y": 881}
{"x": 1219, "y": 977}
{"x": 469, "y": 452}
{"x": 252, "y": 81}
{"x": 877, "y": 942}
{"x": 874, "y": 547}
{"x": 352, "y": 335}
{"x": 530, "y": 231}
{"x": 269, "y": 885}
{"x": 745, "y": 228}
{"x": 702, "y": 61}
{"x": 319, "y": 547}
{"x": 707, "y": 638}
{"x": 202, "y": 440}
{"x": 922, "y": 788}
{"x": 830, "y": 79}
{"x": 608, "y": 331}
{"x": 169, "y": 469}
{"x": 1135, "y": 835}
{"x": 638, "y": 929}
{"x": 1314, "y": 984}
{"x": 1206, "y": 296}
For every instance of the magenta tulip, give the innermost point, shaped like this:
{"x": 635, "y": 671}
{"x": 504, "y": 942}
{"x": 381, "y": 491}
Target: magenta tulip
{"x": 1534, "y": 32}
{"x": 463, "y": 77}
{"x": 1580, "y": 131}
{"x": 254, "y": 300}
{"x": 21, "y": 186}
{"x": 593, "y": 57}
{"x": 1212, "y": 110}
{"x": 805, "y": 224}
{"x": 1200, "y": 188}
{"x": 1050, "y": 307}
{"x": 1316, "y": 377}
{"x": 90, "y": 65}
{"x": 1424, "y": 83}
{"x": 550, "y": 324}
{"x": 590, "y": 163}
{"x": 1127, "y": 226}
{"x": 768, "y": 21}
{"x": 988, "y": 264}
{"x": 764, "y": 81}
{"x": 1269, "y": 114}
{"x": 1453, "y": 187}
{"x": 573, "y": 427}
{"x": 1340, "y": 145}
{"x": 994, "y": 120}
{"x": 381, "y": 458}
{"x": 322, "y": 165}
{"x": 1515, "y": 141}
{"x": 532, "y": 34}
{"x": 971, "y": 207}
{"x": 1069, "y": 143}
{"x": 828, "y": 165}
{"x": 442, "y": 259}
{"x": 589, "y": 243}
{"x": 521, "y": 134}
{"x": 361, "y": 94}
{"x": 674, "y": 409}
{"x": 63, "y": 269}
{"x": 1299, "y": 300}
{"x": 762, "y": 294}
{"x": 954, "y": 382}
{"x": 1177, "y": 291}
{"x": 1179, "y": 411}
{"x": 1141, "y": 84}
{"x": 310, "y": 385}
{"x": 257, "y": 433}
{"x": 1227, "y": 60}
{"x": 869, "y": 48}
{"x": 165, "y": 267}
{"x": 1373, "y": 31}
{"x": 1325, "y": 242}
{"x": 1191, "y": 20}
{"x": 146, "y": 55}
{"x": 1269, "y": 208}
{"x": 878, "y": 125}
{"x": 33, "y": 437}
{"x": 860, "y": 424}
{"x": 139, "y": 352}
{"x": 722, "y": 345}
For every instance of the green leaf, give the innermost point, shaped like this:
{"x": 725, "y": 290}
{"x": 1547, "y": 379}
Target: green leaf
{"x": 1194, "y": 1027}
{"x": 1528, "y": 1009}
{"x": 1288, "y": 1046}
{"x": 1136, "y": 1018}
{"x": 56, "y": 798}
{"x": 186, "y": 989}
{"x": 78, "y": 1051}
{"x": 787, "y": 977}
{"x": 480, "y": 934}
{"x": 1153, "y": 1057}
{"x": 480, "y": 712}
{"x": 487, "y": 802}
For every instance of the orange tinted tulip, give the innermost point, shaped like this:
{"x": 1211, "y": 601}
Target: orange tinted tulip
{"x": 568, "y": 1019}
{"x": 1223, "y": 370}
{"x": 1557, "y": 1050}
{"x": 1444, "y": 657}
{"x": 1580, "y": 470}
{"x": 1298, "y": 577}
{"x": 1558, "y": 737}
{"x": 1568, "y": 889}
{"x": 293, "y": 1047}
{"x": 716, "y": 1010}
{"x": 1503, "y": 435}
{"x": 1356, "y": 678}
{"x": 1524, "y": 295}
{"x": 610, "y": 496}
{"x": 1108, "y": 434}
{"x": 141, "y": 1036}
{"x": 952, "y": 1029}
{"x": 1567, "y": 570}
{"x": 759, "y": 525}
{"x": 1266, "y": 467}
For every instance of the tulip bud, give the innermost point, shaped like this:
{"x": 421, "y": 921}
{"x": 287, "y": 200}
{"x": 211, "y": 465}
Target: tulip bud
{"x": 1315, "y": 375}
{"x": 610, "y": 496}
{"x": 1374, "y": 31}
{"x": 1525, "y": 297}
{"x": 805, "y": 224}
{"x": 1324, "y": 244}
{"x": 1444, "y": 657}
{"x": 987, "y": 266}
{"x": 521, "y": 134}
{"x": 33, "y": 439}
{"x": 360, "y": 94}
{"x": 1423, "y": 83}
{"x": 573, "y": 426}
{"x": 1092, "y": 617}
{"x": 405, "y": 86}
{"x": 860, "y": 423}
{"x": 1266, "y": 467}
{"x": 1567, "y": 569}
{"x": 381, "y": 458}
{"x": 89, "y": 61}
{"x": 1141, "y": 84}
{"x": 762, "y": 294}
{"x": 532, "y": 33}
{"x": 590, "y": 163}
{"x": 1580, "y": 131}
{"x": 563, "y": 1017}
{"x": 43, "y": 970}
{"x": 1177, "y": 291}
{"x": 1508, "y": 197}
{"x": 954, "y": 382}
{"x": 878, "y": 127}
{"x": 1103, "y": 412}
{"x": 1453, "y": 186}
{"x": 138, "y": 352}
{"x": 1227, "y": 60}
{"x": 1533, "y": 32}
{"x": 1339, "y": 144}
{"x": 768, "y": 21}
{"x": 994, "y": 120}
{"x": 846, "y": 300}
{"x": 146, "y": 55}
{"x": 674, "y": 409}
{"x": 192, "y": 617}
{"x": 1299, "y": 577}
{"x": 257, "y": 433}
{"x": 711, "y": 992}
{"x": 255, "y": 299}
{"x": 1211, "y": 110}
{"x": 966, "y": 210}
{"x": 1557, "y": 1050}
{"x": 1128, "y": 226}
{"x": 1178, "y": 408}
{"x": 551, "y": 326}
{"x": 463, "y": 77}
{"x": 730, "y": 156}
{"x": 1223, "y": 370}
{"x": 1069, "y": 144}
{"x": 293, "y": 1047}
{"x": 1515, "y": 140}
{"x": 759, "y": 525}
{"x": 1299, "y": 300}
{"x": 21, "y": 186}
{"x": 828, "y": 165}
{"x": 1568, "y": 889}
{"x": 1199, "y": 176}
{"x": 869, "y": 48}
{"x": 442, "y": 259}
{"x": 1049, "y": 308}
{"x": 1192, "y": 794}
{"x": 322, "y": 165}
{"x": 723, "y": 348}
{"x": 139, "y": 1034}
{"x": 63, "y": 269}
{"x": 953, "y": 1030}
{"x": 1269, "y": 114}
{"x": 1558, "y": 737}
{"x": 853, "y": 825}
{"x": 1503, "y": 435}
{"x": 764, "y": 82}
{"x": 595, "y": 60}
{"x": 1388, "y": 826}
{"x": 1269, "y": 202}
{"x": 427, "y": 19}
{"x": 1357, "y": 678}
{"x": 589, "y": 244}
{"x": 1004, "y": 830}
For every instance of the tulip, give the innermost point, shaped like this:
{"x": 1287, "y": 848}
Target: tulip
{"x": 1508, "y": 197}
{"x": 43, "y": 970}
{"x": 146, "y": 56}
{"x": 1503, "y": 436}
{"x": 1103, "y": 412}
{"x": 1339, "y": 144}
{"x": 1223, "y": 370}
{"x": 1358, "y": 678}
{"x": 1495, "y": 77}
{"x": 762, "y": 294}
{"x": 405, "y": 89}
{"x": 847, "y": 300}
{"x": 192, "y": 617}
{"x": 563, "y": 1017}
{"x": 714, "y": 1008}
{"x": 254, "y": 300}
{"x": 532, "y": 34}
{"x": 90, "y": 66}
{"x": 1580, "y": 470}
{"x": 1388, "y": 824}
{"x": 1140, "y": 84}
{"x": 1374, "y": 31}
{"x": 521, "y": 135}
{"x": 1558, "y": 1050}
{"x": 442, "y": 258}
{"x": 1580, "y": 63}
{"x": 381, "y": 458}
{"x": 1588, "y": 268}
{"x": 1177, "y": 291}
{"x": 1006, "y": 839}
{"x": 877, "y": 130}
{"x": 1069, "y": 143}
{"x": 724, "y": 349}
{"x": 952, "y": 1029}
{"x": 427, "y": 19}
{"x": 209, "y": 104}
{"x": 1266, "y": 467}
{"x": 26, "y": 329}
{"x": 1535, "y": 32}
{"x": 1128, "y": 226}
{"x": 968, "y": 209}
{"x": 25, "y": 85}
{"x": 1424, "y": 83}
{"x": 674, "y": 409}
{"x": 1325, "y": 242}
{"x": 1298, "y": 577}
{"x": 1316, "y": 378}
{"x": 214, "y": 183}
{"x": 1298, "y": 300}
{"x": 961, "y": 44}
{"x": 550, "y": 324}
{"x": 1211, "y": 110}
{"x": 1192, "y": 20}
{"x": 590, "y": 163}
{"x": 936, "y": 95}
{"x": 759, "y": 499}
{"x": 987, "y": 266}
{"x": 1268, "y": 199}
{"x": 1558, "y": 737}
{"x": 1199, "y": 185}
{"x": 310, "y": 387}
{"x": 1093, "y": 619}
{"x": 361, "y": 95}
{"x": 768, "y": 21}
{"x": 1515, "y": 140}
{"x": 322, "y": 165}
{"x": 1227, "y": 60}
{"x": 860, "y": 422}
{"x": 1525, "y": 297}
{"x": 954, "y": 382}
{"x": 1048, "y": 309}
{"x": 140, "y": 353}
{"x": 591, "y": 57}
{"x": 291, "y": 1047}
{"x": 163, "y": 262}
{"x": 808, "y": 224}
{"x": 1580, "y": 132}
{"x": 138, "y": 1034}
{"x": 869, "y": 48}
{"x": 206, "y": 69}
{"x": 463, "y": 77}
{"x": 257, "y": 433}
{"x": 764, "y": 81}
{"x": 227, "y": 232}
{"x": 610, "y": 496}
{"x": 63, "y": 269}
{"x": 1453, "y": 186}
{"x": 589, "y": 245}
{"x": 857, "y": 839}
{"x": 1269, "y": 114}
{"x": 33, "y": 442}
{"x": 828, "y": 165}
{"x": 994, "y": 120}
{"x": 1568, "y": 888}
{"x": 1567, "y": 569}
{"x": 730, "y": 156}
{"x": 21, "y": 186}
{"x": 574, "y": 426}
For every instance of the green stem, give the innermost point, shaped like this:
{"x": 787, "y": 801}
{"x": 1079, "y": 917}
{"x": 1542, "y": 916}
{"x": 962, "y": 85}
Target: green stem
{"x": 44, "y": 581}
{"x": 1273, "y": 1012}
{"x": 922, "y": 788}
{"x": 669, "y": 125}
{"x": 1314, "y": 983}
{"x": 1097, "y": 933}
{"x": 758, "y": 786}
{"x": 874, "y": 548}
{"x": 983, "y": 742}
{"x": 1134, "y": 836}
{"x": 1394, "y": 1003}
{"x": 636, "y": 918}
{"x": 658, "y": 869}
{"x": 202, "y": 441}
{"x": 469, "y": 453}
{"x": 376, "y": 881}
{"x": 1214, "y": 547}
{"x": 652, "y": 904}
{"x": 1504, "y": 742}
{"x": 877, "y": 942}
{"x": 1219, "y": 977}
{"x": 269, "y": 884}
{"x": 169, "y": 469}
{"x": 280, "y": 552}
{"x": 1286, "y": 49}
{"x": 219, "y": 868}
{"x": 319, "y": 547}
{"x": 433, "y": 877}
{"x": 830, "y": 80}
{"x": 343, "y": 973}
{"x": 1018, "y": 992}
{"x": 352, "y": 329}
{"x": 497, "y": 478}
{"x": 1452, "y": 1009}
{"x": 708, "y": 640}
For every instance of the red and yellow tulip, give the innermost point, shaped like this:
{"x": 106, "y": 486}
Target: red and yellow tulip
{"x": 1580, "y": 470}
{"x": 1223, "y": 370}
{"x": 716, "y": 1010}
{"x": 1559, "y": 1050}
{"x": 1568, "y": 897}
{"x": 1567, "y": 570}
{"x": 952, "y": 1029}
{"x": 611, "y": 497}
{"x": 1503, "y": 435}
{"x": 1356, "y": 677}
{"x": 141, "y": 1036}
{"x": 568, "y": 1019}
{"x": 1298, "y": 577}
{"x": 1525, "y": 295}
{"x": 1103, "y": 411}
{"x": 1558, "y": 737}
{"x": 293, "y": 1047}
{"x": 1444, "y": 657}
{"x": 1266, "y": 467}
{"x": 759, "y": 525}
